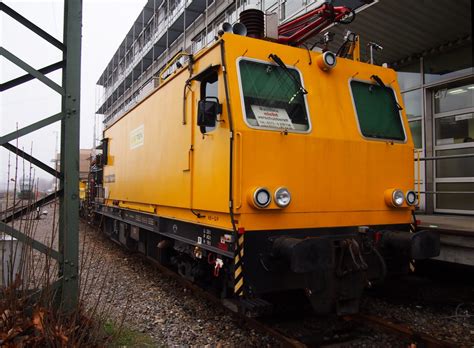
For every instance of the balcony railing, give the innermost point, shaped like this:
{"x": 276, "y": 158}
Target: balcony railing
{"x": 419, "y": 179}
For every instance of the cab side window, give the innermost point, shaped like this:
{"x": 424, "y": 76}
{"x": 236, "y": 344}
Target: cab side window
{"x": 209, "y": 86}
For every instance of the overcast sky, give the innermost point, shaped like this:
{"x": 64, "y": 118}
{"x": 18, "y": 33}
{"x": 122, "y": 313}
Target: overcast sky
{"x": 105, "y": 23}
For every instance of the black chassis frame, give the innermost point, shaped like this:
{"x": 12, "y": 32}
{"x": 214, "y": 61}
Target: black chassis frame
{"x": 258, "y": 244}
{"x": 202, "y": 236}
{"x": 264, "y": 277}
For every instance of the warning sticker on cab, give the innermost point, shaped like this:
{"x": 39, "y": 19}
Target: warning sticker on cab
{"x": 137, "y": 137}
{"x": 272, "y": 117}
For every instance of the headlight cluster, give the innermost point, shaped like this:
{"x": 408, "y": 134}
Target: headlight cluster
{"x": 262, "y": 197}
{"x": 396, "y": 197}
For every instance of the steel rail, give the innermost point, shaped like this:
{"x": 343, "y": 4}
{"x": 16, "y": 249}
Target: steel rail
{"x": 286, "y": 341}
{"x": 416, "y": 337}
{"x": 369, "y": 320}
{"x": 251, "y": 323}
{"x": 445, "y": 157}
{"x": 446, "y": 192}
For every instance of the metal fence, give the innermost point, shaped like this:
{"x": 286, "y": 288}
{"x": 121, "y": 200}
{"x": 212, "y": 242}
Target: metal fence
{"x": 67, "y": 254}
{"x": 420, "y": 159}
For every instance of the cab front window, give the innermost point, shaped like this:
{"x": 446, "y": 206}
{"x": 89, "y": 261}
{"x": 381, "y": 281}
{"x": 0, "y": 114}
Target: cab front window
{"x": 272, "y": 99}
{"x": 377, "y": 111}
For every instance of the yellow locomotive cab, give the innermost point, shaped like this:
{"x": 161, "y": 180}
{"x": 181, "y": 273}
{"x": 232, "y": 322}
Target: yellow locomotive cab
{"x": 307, "y": 155}
{"x": 328, "y": 163}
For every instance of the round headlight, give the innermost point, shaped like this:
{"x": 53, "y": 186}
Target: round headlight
{"x": 262, "y": 197}
{"x": 282, "y": 197}
{"x": 397, "y": 198}
{"x": 329, "y": 59}
{"x": 411, "y": 198}
{"x": 326, "y": 61}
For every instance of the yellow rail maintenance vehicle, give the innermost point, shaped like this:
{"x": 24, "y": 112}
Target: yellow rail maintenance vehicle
{"x": 259, "y": 167}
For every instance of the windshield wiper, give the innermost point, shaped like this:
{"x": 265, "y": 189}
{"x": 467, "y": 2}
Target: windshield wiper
{"x": 298, "y": 84}
{"x": 381, "y": 84}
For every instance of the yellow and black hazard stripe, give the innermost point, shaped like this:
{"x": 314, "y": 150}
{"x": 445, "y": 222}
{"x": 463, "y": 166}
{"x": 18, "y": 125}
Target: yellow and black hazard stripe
{"x": 412, "y": 262}
{"x": 238, "y": 271}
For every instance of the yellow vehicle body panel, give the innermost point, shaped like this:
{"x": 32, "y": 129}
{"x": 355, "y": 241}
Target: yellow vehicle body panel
{"x": 336, "y": 177}
{"x": 82, "y": 190}
{"x": 158, "y": 161}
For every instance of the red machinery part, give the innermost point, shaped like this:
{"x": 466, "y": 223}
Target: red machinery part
{"x": 300, "y": 29}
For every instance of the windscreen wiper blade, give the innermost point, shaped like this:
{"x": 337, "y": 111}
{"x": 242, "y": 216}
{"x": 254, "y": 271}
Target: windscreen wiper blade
{"x": 381, "y": 84}
{"x": 282, "y": 65}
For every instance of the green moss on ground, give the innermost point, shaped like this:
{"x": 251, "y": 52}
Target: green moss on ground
{"x": 126, "y": 337}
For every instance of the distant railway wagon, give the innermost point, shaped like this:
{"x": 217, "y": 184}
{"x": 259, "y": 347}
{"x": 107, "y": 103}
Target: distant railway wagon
{"x": 26, "y": 189}
{"x": 258, "y": 167}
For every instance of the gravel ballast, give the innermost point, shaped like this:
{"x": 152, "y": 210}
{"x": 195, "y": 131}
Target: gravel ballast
{"x": 159, "y": 306}
{"x": 125, "y": 285}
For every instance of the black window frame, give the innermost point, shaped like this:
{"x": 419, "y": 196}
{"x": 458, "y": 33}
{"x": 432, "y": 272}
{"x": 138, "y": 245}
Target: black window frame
{"x": 396, "y": 103}
{"x": 213, "y": 76}
{"x": 242, "y": 98}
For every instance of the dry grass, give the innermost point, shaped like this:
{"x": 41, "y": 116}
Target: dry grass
{"x": 30, "y": 304}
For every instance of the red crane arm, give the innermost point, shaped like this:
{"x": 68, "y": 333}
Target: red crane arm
{"x": 300, "y": 29}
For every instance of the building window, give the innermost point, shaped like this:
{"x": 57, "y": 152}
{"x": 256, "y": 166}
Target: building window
{"x": 447, "y": 65}
{"x": 458, "y": 201}
{"x": 454, "y": 136}
{"x": 291, "y": 7}
{"x": 455, "y": 129}
{"x": 198, "y": 42}
{"x": 413, "y": 108}
{"x": 454, "y": 98}
{"x": 416, "y": 133}
{"x": 409, "y": 76}
{"x": 412, "y": 101}
{"x": 455, "y": 167}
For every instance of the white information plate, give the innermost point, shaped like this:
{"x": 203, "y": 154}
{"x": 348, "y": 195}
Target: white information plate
{"x": 272, "y": 117}
{"x": 463, "y": 117}
{"x": 137, "y": 137}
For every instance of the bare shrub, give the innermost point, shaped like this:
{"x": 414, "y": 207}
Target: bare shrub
{"x": 31, "y": 313}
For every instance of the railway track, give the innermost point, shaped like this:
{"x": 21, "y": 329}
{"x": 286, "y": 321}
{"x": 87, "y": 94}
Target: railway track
{"x": 414, "y": 337}
{"x": 242, "y": 319}
{"x": 409, "y": 337}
